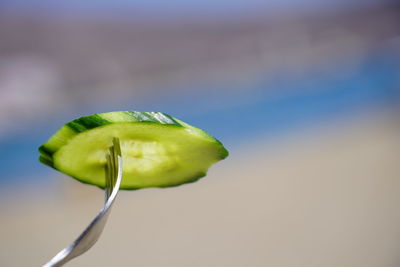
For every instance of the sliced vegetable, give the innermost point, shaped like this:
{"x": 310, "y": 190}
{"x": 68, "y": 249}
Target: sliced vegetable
{"x": 158, "y": 150}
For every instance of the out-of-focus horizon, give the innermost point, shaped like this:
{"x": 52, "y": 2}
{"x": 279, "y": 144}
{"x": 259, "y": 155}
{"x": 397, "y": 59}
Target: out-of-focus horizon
{"x": 304, "y": 94}
{"x": 51, "y": 62}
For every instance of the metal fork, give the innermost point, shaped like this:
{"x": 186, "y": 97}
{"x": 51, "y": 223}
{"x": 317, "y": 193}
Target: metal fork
{"x": 93, "y": 231}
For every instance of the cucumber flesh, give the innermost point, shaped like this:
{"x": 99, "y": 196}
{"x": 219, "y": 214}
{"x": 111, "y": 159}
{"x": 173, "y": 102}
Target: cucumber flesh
{"x": 157, "y": 149}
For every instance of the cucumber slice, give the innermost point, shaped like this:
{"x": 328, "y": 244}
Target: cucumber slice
{"x": 158, "y": 150}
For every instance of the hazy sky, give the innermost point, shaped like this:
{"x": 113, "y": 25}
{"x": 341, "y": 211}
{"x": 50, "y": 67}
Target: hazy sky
{"x": 184, "y": 7}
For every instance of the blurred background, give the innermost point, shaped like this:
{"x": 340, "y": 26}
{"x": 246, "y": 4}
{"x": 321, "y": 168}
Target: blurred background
{"x": 304, "y": 94}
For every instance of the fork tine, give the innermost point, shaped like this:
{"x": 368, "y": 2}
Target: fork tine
{"x": 117, "y": 146}
{"x": 112, "y": 161}
{"x": 108, "y": 178}
{"x": 116, "y": 153}
{"x": 113, "y": 166}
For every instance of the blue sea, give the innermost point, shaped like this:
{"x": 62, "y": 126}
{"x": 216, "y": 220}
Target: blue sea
{"x": 266, "y": 108}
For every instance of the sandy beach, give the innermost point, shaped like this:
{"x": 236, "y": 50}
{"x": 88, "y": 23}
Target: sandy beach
{"x": 325, "y": 197}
